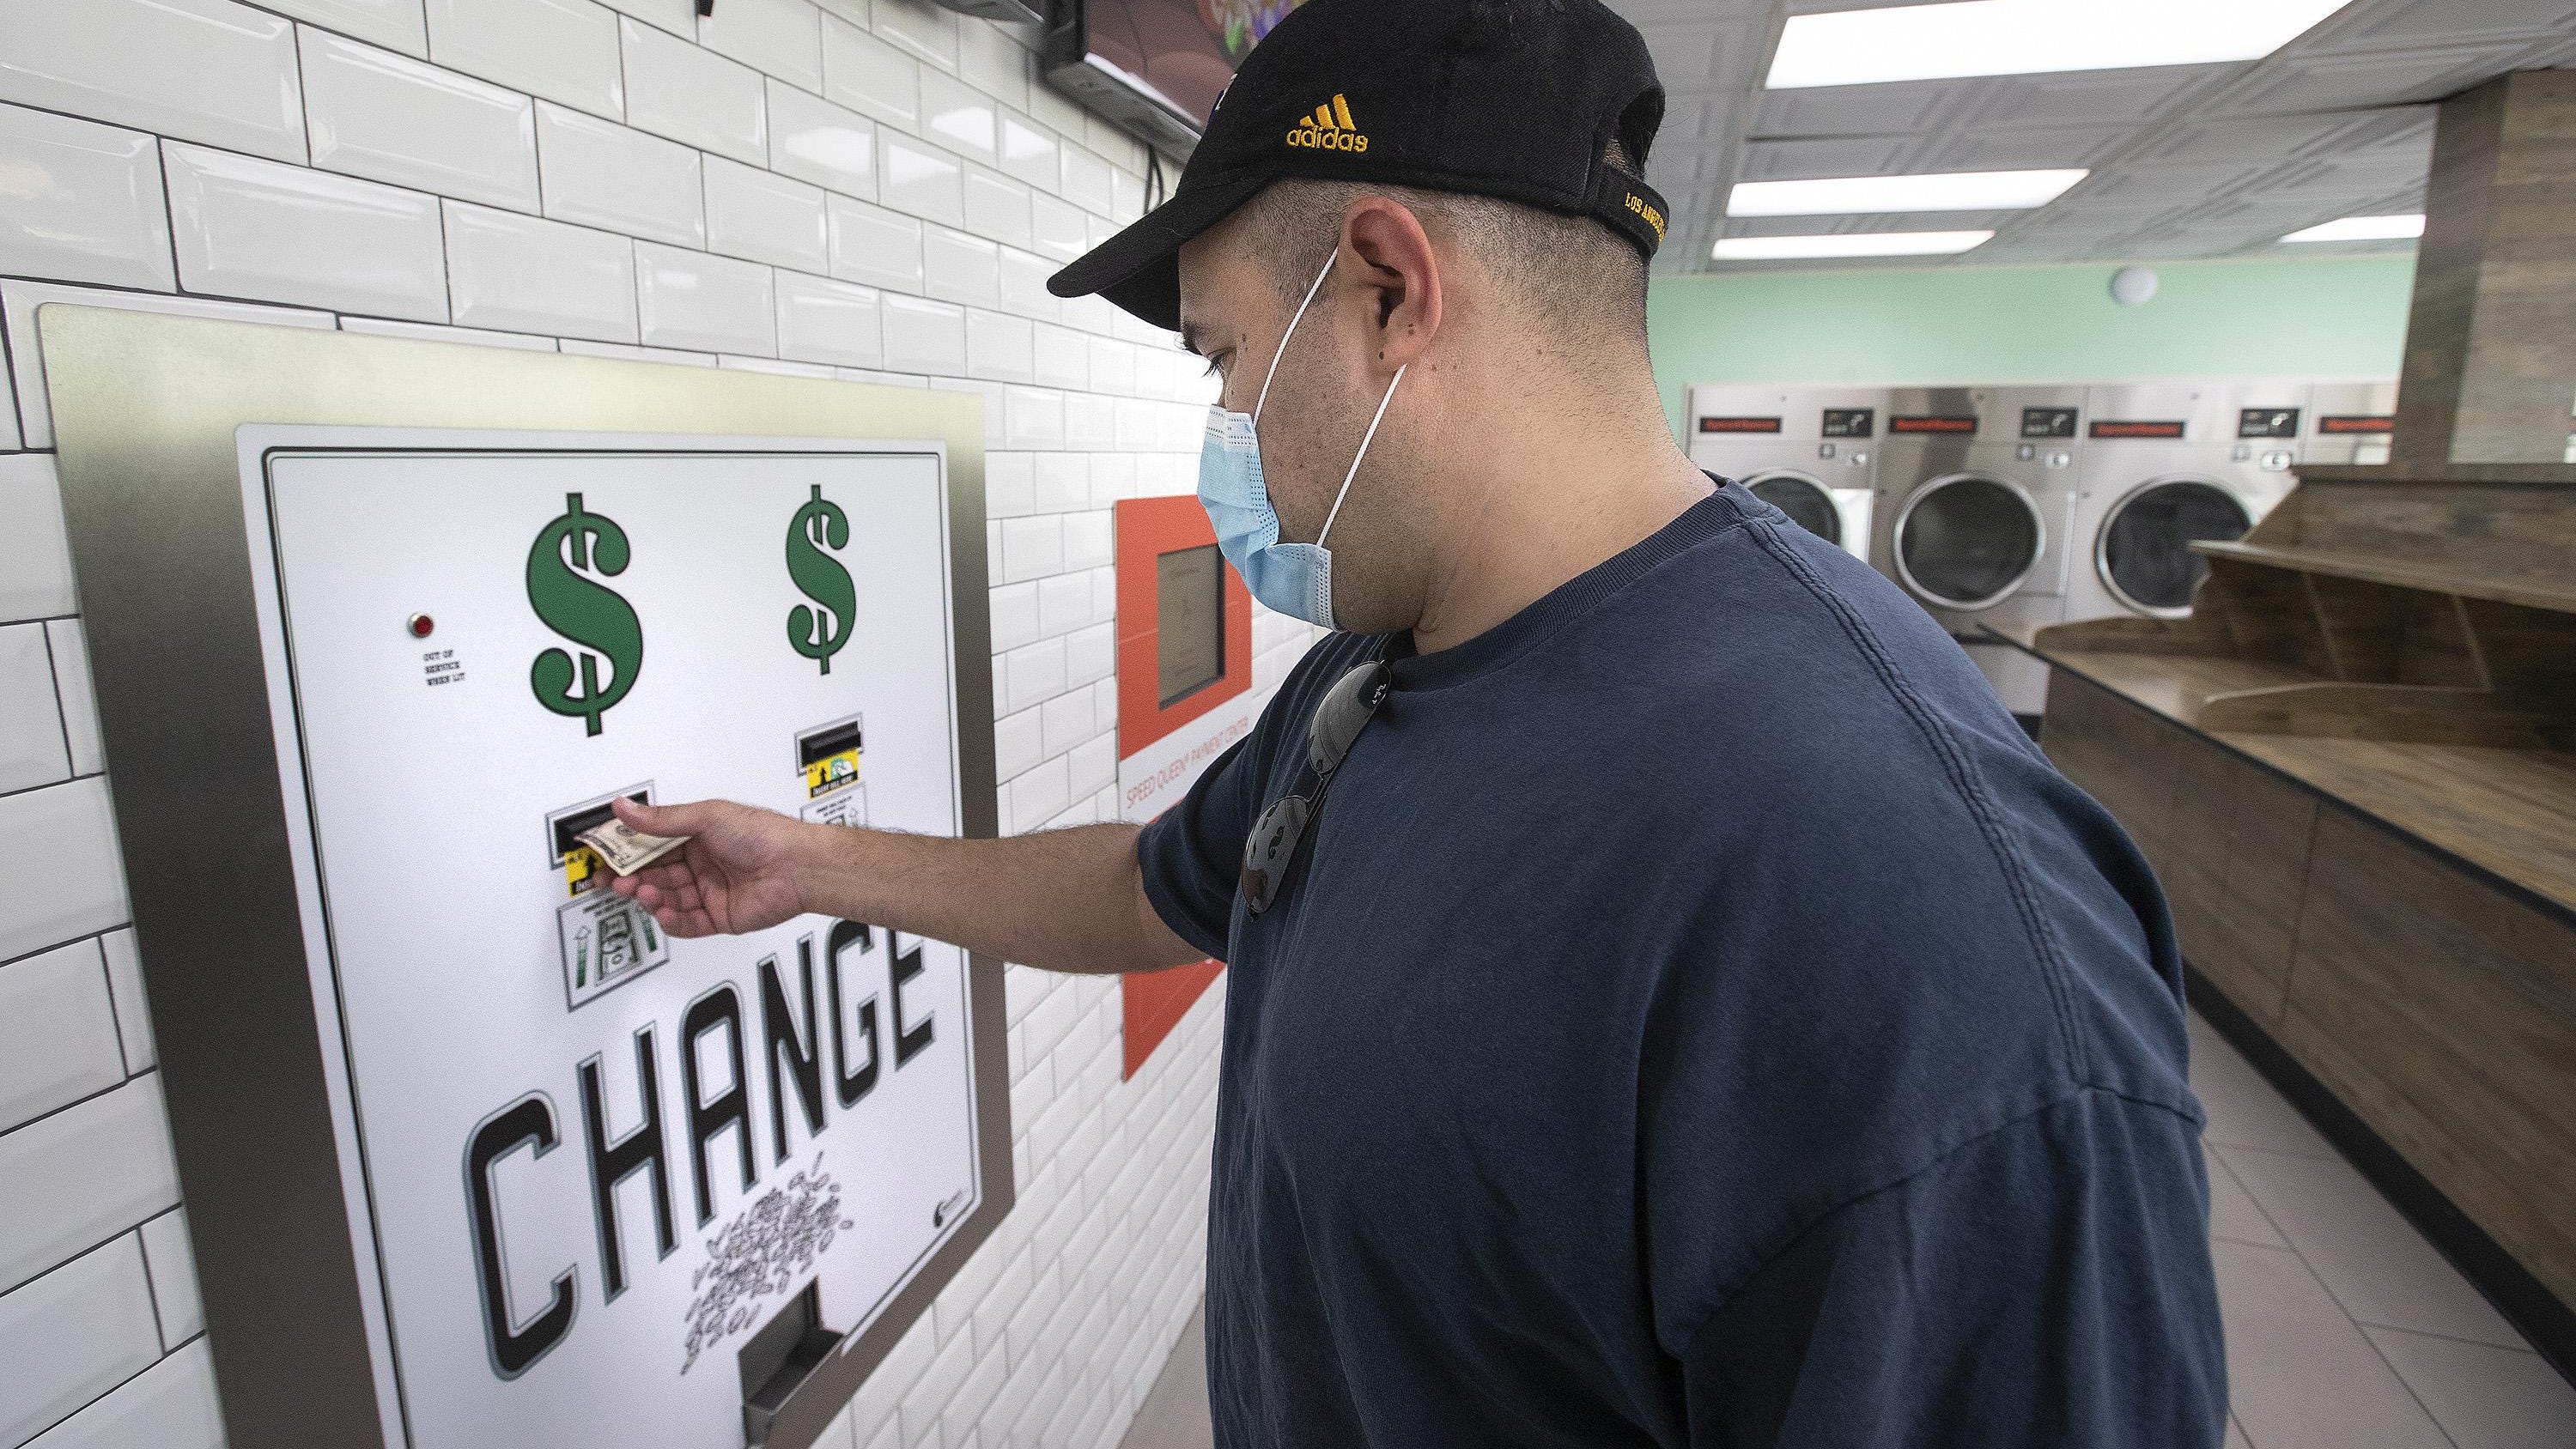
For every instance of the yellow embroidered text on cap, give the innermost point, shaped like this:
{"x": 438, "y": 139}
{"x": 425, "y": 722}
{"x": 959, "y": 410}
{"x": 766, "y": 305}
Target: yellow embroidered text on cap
{"x": 1329, "y": 129}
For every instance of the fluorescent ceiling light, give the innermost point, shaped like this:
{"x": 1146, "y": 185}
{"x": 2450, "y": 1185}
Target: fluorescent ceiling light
{"x": 2026, "y": 37}
{"x": 2362, "y": 228}
{"x": 1943, "y": 191}
{"x": 1862, "y": 244}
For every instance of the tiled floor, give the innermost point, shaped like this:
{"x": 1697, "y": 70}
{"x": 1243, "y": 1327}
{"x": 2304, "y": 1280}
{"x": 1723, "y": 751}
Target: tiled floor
{"x": 1175, "y": 1414}
{"x": 2345, "y": 1329}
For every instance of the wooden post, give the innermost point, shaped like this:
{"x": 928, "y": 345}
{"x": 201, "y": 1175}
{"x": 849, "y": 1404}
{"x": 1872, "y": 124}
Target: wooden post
{"x": 2490, "y": 370}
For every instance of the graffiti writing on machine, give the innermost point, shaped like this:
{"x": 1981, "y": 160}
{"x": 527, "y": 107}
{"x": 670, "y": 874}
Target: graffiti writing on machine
{"x": 796, "y": 1050}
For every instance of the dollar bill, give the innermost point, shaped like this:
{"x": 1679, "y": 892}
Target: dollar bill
{"x": 625, "y": 849}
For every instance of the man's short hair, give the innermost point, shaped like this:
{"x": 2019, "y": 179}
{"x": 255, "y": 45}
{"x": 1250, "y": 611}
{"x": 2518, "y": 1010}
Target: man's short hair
{"x": 1571, "y": 271}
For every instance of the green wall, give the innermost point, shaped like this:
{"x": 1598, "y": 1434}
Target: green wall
{"x": 2326, "y": 316}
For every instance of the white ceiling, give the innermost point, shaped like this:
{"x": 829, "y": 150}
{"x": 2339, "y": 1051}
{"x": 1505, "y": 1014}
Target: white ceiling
{"x": 2187, "y": 161}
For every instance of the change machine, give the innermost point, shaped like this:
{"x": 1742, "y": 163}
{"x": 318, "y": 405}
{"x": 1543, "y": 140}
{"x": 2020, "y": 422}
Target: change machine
{"x": 475, "y": 1153}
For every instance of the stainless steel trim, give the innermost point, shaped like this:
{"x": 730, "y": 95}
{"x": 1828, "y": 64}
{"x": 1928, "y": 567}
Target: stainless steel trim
{"x": 1823, "y": 489}
{"x": 2102, "y": 538}
{"x": 1905, "y": 514}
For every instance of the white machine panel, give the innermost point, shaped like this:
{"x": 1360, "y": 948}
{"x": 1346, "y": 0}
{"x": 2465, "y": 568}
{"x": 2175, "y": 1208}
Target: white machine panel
{"x": 584, "y": 1154}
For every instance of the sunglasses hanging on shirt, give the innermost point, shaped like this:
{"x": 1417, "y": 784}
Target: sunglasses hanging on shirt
{"x": 1345, "y": 711}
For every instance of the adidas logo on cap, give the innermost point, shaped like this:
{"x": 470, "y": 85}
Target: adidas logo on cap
{"x": 1329, "y": 129}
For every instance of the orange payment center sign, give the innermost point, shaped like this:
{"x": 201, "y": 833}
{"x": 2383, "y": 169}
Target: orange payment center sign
{"x": 1184, "y": 698}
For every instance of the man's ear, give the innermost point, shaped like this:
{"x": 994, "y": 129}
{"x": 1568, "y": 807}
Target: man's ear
{"x": 1385, "y": 247}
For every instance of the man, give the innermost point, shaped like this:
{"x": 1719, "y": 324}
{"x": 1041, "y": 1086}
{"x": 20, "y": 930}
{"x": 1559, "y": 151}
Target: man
{"x": 1671, "y": 1002}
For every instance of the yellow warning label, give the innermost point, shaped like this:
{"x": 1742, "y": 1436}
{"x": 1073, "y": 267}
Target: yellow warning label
{"x": 831, "y": 772}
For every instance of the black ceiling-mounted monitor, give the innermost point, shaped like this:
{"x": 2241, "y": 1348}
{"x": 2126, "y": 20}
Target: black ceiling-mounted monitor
{"x": 1155, "y": 65}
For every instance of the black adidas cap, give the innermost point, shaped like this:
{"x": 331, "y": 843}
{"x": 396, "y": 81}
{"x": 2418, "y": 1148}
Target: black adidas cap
{"x": 1516, "y": 99}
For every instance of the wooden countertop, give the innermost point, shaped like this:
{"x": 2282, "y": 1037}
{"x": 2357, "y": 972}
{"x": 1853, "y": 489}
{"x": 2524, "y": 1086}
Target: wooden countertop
{"x": 2420, "y": 471}
{"x": 2402, "y": 573}
{"x": 2509, "y": 815}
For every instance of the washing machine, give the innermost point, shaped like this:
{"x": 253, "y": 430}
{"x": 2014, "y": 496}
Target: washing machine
{"x": 2167, "y": 464}
{"x": 2350, "y": 421}
{"x": 1976, "y": 495}
{"x": 1810, "y": 452}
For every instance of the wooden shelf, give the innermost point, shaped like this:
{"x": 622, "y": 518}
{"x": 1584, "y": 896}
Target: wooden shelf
{"x": 2396, "y": 572}
{"x": 2175, "y": 686}
{"x": 2510, "y": 814}
{"x": 2405, "y": 647}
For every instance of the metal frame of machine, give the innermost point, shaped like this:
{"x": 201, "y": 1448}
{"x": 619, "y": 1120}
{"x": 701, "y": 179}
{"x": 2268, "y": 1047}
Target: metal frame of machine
{"x": 1814, "y": 447}
{"x": 148, "y": 411}
{"x": 2015, "y": 446}
{"x": 2159, "y": 458}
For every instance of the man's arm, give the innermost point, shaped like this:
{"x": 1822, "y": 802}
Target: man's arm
{"x": 2043, "y": 1286}
{"x": 1062, "y": 900}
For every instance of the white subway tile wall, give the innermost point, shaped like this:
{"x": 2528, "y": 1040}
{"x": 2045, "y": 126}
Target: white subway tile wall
{"x": 693, "y": 96}
{"x": 764, "y": 216}
{"x": 200, "y": 70}
{"x": 392, "y": 118}
{"x": 563, "y": 50}
{"x": 397, "y": 24}
{"x": 826, "y": 144}
{"x": 870, "y": 189}
{"x": 263, "y": 229}
{"x": 602, "y": 174}
{"x": 84, "y": 202}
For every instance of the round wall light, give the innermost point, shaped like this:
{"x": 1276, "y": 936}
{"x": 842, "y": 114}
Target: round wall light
{"x": 2133, "y": 286}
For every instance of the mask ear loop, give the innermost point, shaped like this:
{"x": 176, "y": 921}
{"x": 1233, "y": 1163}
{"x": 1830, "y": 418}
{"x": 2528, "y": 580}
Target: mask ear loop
{"x": 1273, "y": 374}
{"x": 1365, "y": 439}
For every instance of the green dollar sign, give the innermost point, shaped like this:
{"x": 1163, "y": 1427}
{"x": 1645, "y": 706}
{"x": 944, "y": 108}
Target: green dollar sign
{"x": 588, "y": 613}
{"x": 818, "y": 633}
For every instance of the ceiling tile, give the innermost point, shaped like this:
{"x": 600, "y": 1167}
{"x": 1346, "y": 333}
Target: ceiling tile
{"x": 1705, "y": 54}
{"x": 1797, "y": 160}
{"x": 2242, "y": 140}
{"x": 1858, "y": 110}
{"x": 2186, "y": 160}
{"x": 2087, "y": 97}
{"x": 1648, "y": 13}
{"x": 2008, "y": 249}
{"x": 2291, "y": 83}
{"x": 2133, "y": 184}
{"x": 2354, "y": 182}
{"x": 1689, "y": 120}
{"x": 2097, "y": 221}
{"x": 2001, "y": 148}
{"x": 2181, "y": 242}
{"x": 2407, "y": 22}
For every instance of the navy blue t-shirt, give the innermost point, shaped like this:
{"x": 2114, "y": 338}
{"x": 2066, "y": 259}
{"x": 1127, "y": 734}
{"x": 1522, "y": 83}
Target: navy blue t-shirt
{"x": 1698, "y": 1016}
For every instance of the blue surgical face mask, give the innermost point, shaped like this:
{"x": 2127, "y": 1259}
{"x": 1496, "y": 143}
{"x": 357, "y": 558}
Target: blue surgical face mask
{"x": 1293, "y": 578}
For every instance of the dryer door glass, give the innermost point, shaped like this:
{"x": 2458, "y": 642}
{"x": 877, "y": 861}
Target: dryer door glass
{"x": 2144, "y": 553}
{"x": 1804, "y": 500}
{"x": 1968, "y": 541}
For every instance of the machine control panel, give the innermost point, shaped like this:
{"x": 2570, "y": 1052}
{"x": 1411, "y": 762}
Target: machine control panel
{"x": 1850, "y": 423}
{"x": 1950, "y": 424}
{"x": 2122, "y": 428}
{"x": 2267, "y": 422}
{"x": 1739, "y": 425}
{"x": 2048, "y": 422}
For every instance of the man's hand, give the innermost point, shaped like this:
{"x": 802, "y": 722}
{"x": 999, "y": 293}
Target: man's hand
{"x": 1061, "y": 900}
{"x": 736, "y": 874}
